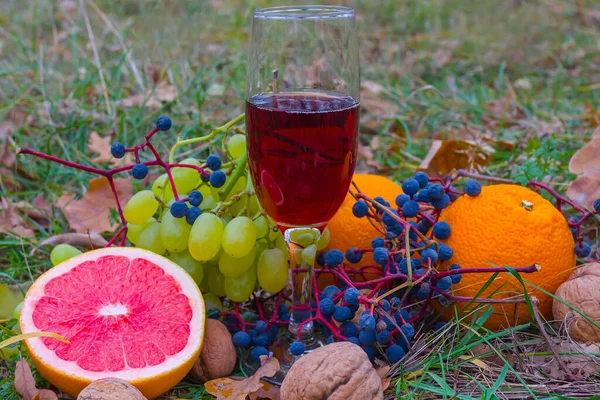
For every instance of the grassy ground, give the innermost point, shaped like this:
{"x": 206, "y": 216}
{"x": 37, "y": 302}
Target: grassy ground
{"x": 524, "y": 72}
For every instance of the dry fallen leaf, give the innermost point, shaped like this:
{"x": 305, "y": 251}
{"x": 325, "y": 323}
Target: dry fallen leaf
{"x": 370, "y": 99}
{"x": 503, "y": 112}
{"x": 24, "y": 382}
{"x": 92, "y": 241}
{"x": 585, "y": 189}
{"x": 46, "y": 394}
{"x": 101, "y": 146}
{"x": 11, "y": 221}
{"x": 445, "y": 156}
{"x": 267, "y": 391}
{"x": 233, "y": 389}
{"x": 152, "y": 98}
{"x": 91, "y": 213}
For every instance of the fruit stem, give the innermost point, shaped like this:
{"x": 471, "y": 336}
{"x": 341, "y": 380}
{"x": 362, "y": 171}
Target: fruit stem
{"x": 238, "y": 171}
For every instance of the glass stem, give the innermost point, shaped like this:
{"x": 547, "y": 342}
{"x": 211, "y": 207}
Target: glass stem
{"x": 303, "y": 249}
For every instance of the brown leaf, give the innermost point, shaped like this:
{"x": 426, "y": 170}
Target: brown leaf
{"x": 370, "y": 99}
{"x": 585, "y": 189}
{"x": 11, "y": 221}
{"x": 267, "y": 391}
{"x": 232, "y": 389}
{"x": 503, "y": 112}
{"x": 101, "y": 146}
{"x": 445, "y": 156}
{"x": 91, "y": 241}
{"x": 46, "y": 394}
{"x": 24, "y": 382}
{"x": 91, "y": 213}
{"x": 152, "y": 98}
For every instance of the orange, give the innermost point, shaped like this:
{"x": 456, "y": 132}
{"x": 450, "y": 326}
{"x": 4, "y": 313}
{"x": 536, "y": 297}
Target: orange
{"x": 348, "y": 231}
{"x": 509, "y": 225}
{"x": 126, "y": 312}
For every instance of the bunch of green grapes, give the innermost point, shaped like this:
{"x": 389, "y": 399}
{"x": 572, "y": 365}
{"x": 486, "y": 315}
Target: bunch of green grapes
{"x": 224, "y": 240}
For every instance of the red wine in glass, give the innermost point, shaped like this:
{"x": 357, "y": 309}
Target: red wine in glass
{"x": 302, "y": 150}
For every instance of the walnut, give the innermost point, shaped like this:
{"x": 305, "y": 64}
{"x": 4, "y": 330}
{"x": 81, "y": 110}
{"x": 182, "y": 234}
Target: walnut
{"x": 338, "y": 371}
{"x": 218, "y": 356}
{"x": 581, "y": 290}
{"x": 110, "y": 389}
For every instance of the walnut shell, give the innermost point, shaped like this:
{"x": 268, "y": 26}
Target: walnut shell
{"x": 581, "y": 290}
{"x": 338, "y": 371}
{"x": 110, "y": 389}
{"x": 218, "y": 356}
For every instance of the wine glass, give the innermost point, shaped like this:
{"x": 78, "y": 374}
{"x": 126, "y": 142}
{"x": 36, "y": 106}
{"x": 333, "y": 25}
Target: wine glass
{"x": 302, "y": 115}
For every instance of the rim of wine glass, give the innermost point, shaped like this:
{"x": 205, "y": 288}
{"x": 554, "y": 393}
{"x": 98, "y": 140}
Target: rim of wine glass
{"x": 304, "y": 12}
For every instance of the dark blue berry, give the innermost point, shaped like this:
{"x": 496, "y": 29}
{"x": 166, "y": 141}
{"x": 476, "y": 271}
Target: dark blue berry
{"x": 410, "y": 209}
{"x": 321, "y": 259}
{"x": 360, "y": 209}
{"x": 163, "y": 123}
{"x": 424, "y": 290}
{"x": 582, "y": 250}
{"x": 283, "y": 308}
{"x": 385, "y": 305}
{"x": 439, "y": 325}
{"x": 381, "y": 256}
{"x": 394, "y": 353}
{"x": 383, "y": 337}
{"x": 214, "y": 162}
{"x": 326, "y": 306}
{"x": 297, "y": 348}
{"x": 389, "y": 220}
{"x": 351, "y": 296}
{"x": 330, "y": 292}
{"x": 367, "y": 336}
{"x": 455, "y": 278}
{"x": 472, "y": 188}
{"x": 422, "y": 178}
{"x": 441, "y": 203}
{"x": 444, "y": 283}
{"x": 195, "y": 198}
{"x": 408, "y": 330}
{"x": 348, "y": 329}
{"x": 366, "y": 321}
{"x": 117, "y": 150}
{"x": 445, "y": 252}
{"x": 217, "y": 179}
{"x": 353, "y": 339}
{"x": 261, "y": 326}
{"x": 436, "y": 191}
{"x": 370, "y": 352}
{"x": 330, "y": 339}
{"x": 453, "y": 196}
{"x": 205, "y": 178}
{"x": 429, "y": 255}
{"x": 381, "y": 201}
{"x": 410, "y": 186}
{"x": 261, "y": 340}
{"x": 179, "y": 209}
{"x": 401, "y": 199}
{"x": 241, "y": 339}
{"x": 341, "y": 313}
{"x": 423, "y": 196}
{"x": 597, "y": 205}
{"x": 354, "y": 255}
{"x": 333, "y": 258}
{"x": 258, "y": 351}
{"x": 192, "y": 215}
{"x": 377, "y": 242}
{"x": 139, "y": 171}
{"x": 441, "y": 230}
{"x": 284, "y": 317}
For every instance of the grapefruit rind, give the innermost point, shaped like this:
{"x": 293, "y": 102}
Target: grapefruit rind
{"x": 152, "y": 380}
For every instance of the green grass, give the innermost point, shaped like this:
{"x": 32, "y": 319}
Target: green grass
{"x": 441, "y": 63}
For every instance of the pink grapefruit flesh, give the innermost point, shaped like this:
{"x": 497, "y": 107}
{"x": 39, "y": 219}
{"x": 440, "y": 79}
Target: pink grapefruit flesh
{"x": 127, "y": 313}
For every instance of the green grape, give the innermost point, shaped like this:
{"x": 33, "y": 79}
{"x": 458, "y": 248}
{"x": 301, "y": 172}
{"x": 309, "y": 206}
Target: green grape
{"x": 262, "y": 226}
{"x": 261, "y": 245}
{"x": 186, "y": 179}
{"x": 240, "y": 204}
{"x": 9, "y": 299}
{"x": 174, "y": 233}
{"x": 150, "y": 239}
{"x": 212, "y": 301}
{"x": 216, "y": 281}
{"x": 140, "y": 207}
{"x": 325, "y": 238}
{"x": 272, "y": 270}
{"x": 239, "y": 237}
{"x": 306, "y": 239}
{"x": 17, "y": 311}
{"x": 193, "y": 267}
{"x": 253, "y": 206}
{"x": 63, "y": 252}
{"x": 282, "y": 245}
{"x": 240, "y": 288}
{"x": 298, "y": 255}
{"x": 205, "y": 237}
{"x": 208, "y": 203}
{"x": 309, "y": 254}
{"x": 236, "y": 145}
{"x": 234, "y": 267}
{"x": 162, "y": 188}
{"x": 133, "y": 231}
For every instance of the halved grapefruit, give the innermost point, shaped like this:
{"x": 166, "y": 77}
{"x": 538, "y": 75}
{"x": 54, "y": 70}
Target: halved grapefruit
{"x": 127, "y": 313}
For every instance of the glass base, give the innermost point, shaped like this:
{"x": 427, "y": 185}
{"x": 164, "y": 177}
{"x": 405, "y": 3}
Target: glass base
{"x": 279, "y": 348}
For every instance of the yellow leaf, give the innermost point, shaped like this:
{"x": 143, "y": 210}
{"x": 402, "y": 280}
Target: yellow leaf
{"x": 476, "y": 361}
{"x": 30, "y": 335}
